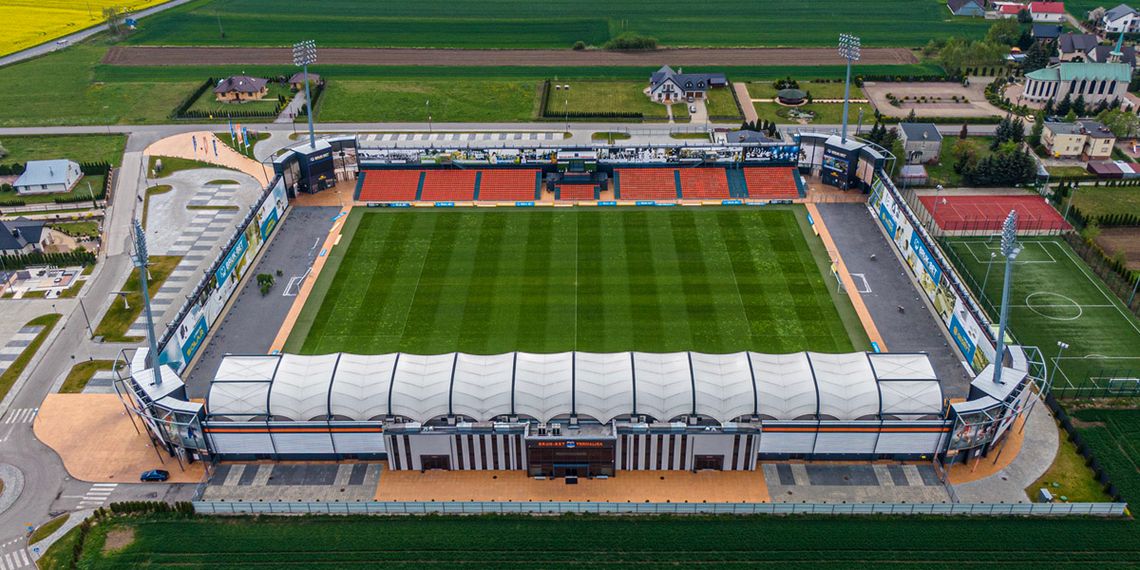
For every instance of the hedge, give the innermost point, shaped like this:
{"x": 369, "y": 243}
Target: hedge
{"x": 72, "y": 258}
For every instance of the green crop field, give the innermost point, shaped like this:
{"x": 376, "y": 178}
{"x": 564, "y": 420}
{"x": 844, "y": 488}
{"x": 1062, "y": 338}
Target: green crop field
{"x": 553, "y": 24}
{"x": 1056, "y": 297}
{"x": 1114, "y": 437}
{"x": 791, "y": 543}
{"x": 557, "y": 280}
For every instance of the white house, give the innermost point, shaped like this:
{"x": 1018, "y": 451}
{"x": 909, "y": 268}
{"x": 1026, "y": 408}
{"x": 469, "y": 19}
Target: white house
{"x": 1047, "y": 11}
{"x": 48, "y": 177}
{"x": 668, "y": 85}
{"x": 1121, "y": 19}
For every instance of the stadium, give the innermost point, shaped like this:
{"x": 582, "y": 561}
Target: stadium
{"x": 579, "y": 312}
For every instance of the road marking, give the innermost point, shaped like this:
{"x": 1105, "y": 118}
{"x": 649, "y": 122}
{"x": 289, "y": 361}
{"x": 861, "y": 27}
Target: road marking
{"x": 8, "y": 561}
{"x": 21, "y": 415}
{"x": 23, "y": 557}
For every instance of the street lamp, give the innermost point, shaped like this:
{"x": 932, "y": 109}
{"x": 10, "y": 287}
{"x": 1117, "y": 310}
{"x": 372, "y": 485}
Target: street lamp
{"x": 934, "y": 213}
{"x": 993, "y": 254}
{"x": 1061, "y": 346}
{"x": 304, "y": 54}
{"x": 1010, "y": 250}
{"x": 427, "y": 106}
{"x": 849, "y": 49}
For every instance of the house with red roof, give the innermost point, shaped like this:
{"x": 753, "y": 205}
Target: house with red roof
{"x": 1009, "y": 10}
{"x": 1047, "y": 11}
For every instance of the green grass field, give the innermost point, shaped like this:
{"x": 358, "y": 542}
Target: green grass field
{"x": 943, "y": 172}
{"x": 80, "y": 148}
{"x": 1114, "y": 437}
{"x": 1055, "y": 297}
{"x": 789, "y": 543}
{"x": 605, "y": 97}
{"x": 549, "y": 281}
{"x": 1096, "y": 201}
{"x": 554, "y": 24}
{"x": 207, "y": 102}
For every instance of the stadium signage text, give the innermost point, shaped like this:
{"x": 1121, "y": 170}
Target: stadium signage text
{"x": 570, "y": 443}
{"x": 231, "y": 260}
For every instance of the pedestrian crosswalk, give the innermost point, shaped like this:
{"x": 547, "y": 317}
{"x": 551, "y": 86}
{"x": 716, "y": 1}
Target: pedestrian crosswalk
{"x": 20, "y": 416}
{"x": 97, "y": 495}
{"x": 14, "y": 556}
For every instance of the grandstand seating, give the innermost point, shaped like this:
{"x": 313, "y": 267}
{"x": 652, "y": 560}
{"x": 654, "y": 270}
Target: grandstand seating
{"x": 507, "y": 184}
{"x": 771, "y": 183}
{"x": 704, "y": 183}
{"x": 577, "y": 192}
{"x": 449, "y": 186}
{"x": 389, "y": 185}
{"x": 647, "y": 183}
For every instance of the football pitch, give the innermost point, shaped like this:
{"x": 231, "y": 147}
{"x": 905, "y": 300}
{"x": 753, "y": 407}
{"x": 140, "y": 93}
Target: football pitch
{"x": 1055, "y": 297}
{"x": 653, "y": 280}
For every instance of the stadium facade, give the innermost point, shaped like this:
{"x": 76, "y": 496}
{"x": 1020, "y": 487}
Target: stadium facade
{"x": 575, "y": 413}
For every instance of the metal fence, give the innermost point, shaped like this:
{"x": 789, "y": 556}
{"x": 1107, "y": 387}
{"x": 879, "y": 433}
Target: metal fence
{"x": 479, "y": 508}
{"x": 1125, "y": 289}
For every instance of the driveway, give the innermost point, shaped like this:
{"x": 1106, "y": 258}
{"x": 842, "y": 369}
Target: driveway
{"x": 701, "y": 115}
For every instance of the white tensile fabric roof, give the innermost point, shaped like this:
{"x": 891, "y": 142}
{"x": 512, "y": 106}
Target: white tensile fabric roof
{"x": 601, "y": 386}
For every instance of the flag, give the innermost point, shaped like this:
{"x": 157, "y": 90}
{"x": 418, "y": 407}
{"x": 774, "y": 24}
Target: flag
{"x": 215, "y": 141}
{"x": 194, "y": 140}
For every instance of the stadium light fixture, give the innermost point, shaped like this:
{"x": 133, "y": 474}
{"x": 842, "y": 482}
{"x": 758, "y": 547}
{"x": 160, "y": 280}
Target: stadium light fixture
{"x": 141, "y": 260}
{"x": 305, "y": 54}
{"x": 1009, "y": 250}
{"x": 850, "y": 48}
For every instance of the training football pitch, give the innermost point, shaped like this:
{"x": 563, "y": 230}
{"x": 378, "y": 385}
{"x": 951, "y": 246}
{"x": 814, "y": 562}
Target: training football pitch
{"x": 653, "y": 280}
{"x": 1055, "y": 297}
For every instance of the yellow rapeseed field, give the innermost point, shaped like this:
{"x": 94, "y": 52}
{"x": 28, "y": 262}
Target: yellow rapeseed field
{"x": 32, "y": 22}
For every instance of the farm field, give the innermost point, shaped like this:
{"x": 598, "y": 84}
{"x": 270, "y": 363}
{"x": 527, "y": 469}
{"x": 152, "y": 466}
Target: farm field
{"x": 1114, "y": 436}
{"x": 556, "y": 280}
{"x": 555, "y": 24}
{"x": 1056, "y": 297}
{"x": 450, "y": 101}
{"x": 797, "y": 543}
{"x": 33, "y": 22}
{"x": 1096, "y": 201}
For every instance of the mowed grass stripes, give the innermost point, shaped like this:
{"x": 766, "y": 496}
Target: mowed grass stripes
{"x": 591, "y": 280}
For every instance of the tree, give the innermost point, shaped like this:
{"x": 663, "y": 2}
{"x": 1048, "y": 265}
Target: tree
{"x": 1025, "y": 39}
{"x": 1037, "y": 130}
{"x": 1096, "y": 15}
{"x": 1123, "y": 124}
{"x": 1024, "y": 17}
{"x": 1036, "y": 57}
{"x": 1065, "y": 105}
{"x": 1079, "y": 106}
{"x": 808, "y": 97}
{"x": 911, "y": 117}
{"x": 1048, "y": 110}
{"x": 965, "y": 132}
{"x": 1004, "y": 32}
{"x": 1008, "y": 130}
{"x": 1070, "y": 116}
{"x": 113, "y": 16}
{"x": 965, "y": 156}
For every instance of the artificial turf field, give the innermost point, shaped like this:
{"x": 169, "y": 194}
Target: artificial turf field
{"x": 653, "y": 280}
{"x": 787, "y": 543}
{"x": 1055, "y": 297}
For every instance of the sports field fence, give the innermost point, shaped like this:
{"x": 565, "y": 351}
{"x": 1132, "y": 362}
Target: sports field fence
{"x": 1027, "y": 224}
{"x": 1125, "y": 286}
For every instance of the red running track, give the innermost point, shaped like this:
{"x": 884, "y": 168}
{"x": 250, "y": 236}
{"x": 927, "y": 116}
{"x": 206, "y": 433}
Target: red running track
{"x": 987, "y": 213}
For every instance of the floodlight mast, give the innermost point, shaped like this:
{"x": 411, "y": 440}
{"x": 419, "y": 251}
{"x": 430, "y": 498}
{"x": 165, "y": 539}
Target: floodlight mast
{"x": 141, "y": 259}
{"x": 850, "y": 49}
{"x": 305, "y": 53}
{"x": 1009, "y": 250}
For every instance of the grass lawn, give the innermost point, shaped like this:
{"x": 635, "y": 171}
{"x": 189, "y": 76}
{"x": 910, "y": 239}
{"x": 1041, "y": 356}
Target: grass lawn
{"x": 9, "y": 377}
{"x": 819, "y": 89}
{"x": 252, "y": 140}
{"x": 113, "y": 327}
{"x": 450, "y": 101}
{"x": 87, "y": 186}
{"x": 81, "y": 373}
{"x": 690, "y": 136}
{"x": 556, "y": 24}
{"x": 172, "y": 164}
{"x": 1055, "y": 298}
{"x": 943, "y": 172}
{"x": 792, "y": 543}
{"x": 1114, "y": 437}
{"x": 43, "y": 531}
{"x": 1103, "y": 200}
{"x": 153, "y": 191}
{"x": 825, "y": 113}
{"x": 721, "y": 104}
{"x": 80, "y": 148}
{"x": 1069, "y": 477}
{"x": 208, "y": 103}
{"x": 603, "y": 97}
{"x": 609, "y": 136}
{"x": 548, "y": 281}
{"x": 78, "y": 229}
{"x": 1068, "y": 172}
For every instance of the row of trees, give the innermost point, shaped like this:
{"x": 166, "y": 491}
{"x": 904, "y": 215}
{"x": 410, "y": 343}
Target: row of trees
{"x": 762, "y": 126}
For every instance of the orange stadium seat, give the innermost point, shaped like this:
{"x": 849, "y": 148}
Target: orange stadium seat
{"x": 448, "y": 186}
{"x": 704, "y": 183}
{"x": 577, "y": 192}
{"x": 647, "y": 183}
{"x": 389, "y": 185}
{"x": 507, "y": 184}
{"x": 771, "y": 183}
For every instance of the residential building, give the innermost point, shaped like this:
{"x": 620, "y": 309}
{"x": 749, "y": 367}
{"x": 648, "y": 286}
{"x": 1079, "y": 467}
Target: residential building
{"x": 48, "y": 177}
{"x": 1009, "y": 10}
{"x": 1121, "y": 20}
{"x": 298, "y": 80}
{"x": 1047, "y": 11}
{"x": 241, "y": 88}
{"x": 976, "y": 8}
{"x": 1076, "y": 47}
{"x": 1047, "y": 32}
{"x": 666, "y": 85}
{"x": 1095, "y": 81}
{"x": 22, "y": 236}
{"x": 921, "y": 142}
{"x": 1086, "y": 139}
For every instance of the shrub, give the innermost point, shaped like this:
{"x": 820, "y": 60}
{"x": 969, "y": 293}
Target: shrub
{"x": 632, "y": 41}
{"x": 579, "y": 45}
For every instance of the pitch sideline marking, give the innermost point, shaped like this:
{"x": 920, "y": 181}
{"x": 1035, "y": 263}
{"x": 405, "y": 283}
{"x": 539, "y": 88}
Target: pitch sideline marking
{"x": 1101, "y": 289}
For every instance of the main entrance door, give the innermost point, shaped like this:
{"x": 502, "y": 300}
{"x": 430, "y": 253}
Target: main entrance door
{"x": 428, "y": 462}
{"x": 571, "y": 470}
{"x": 708, "y": 462}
